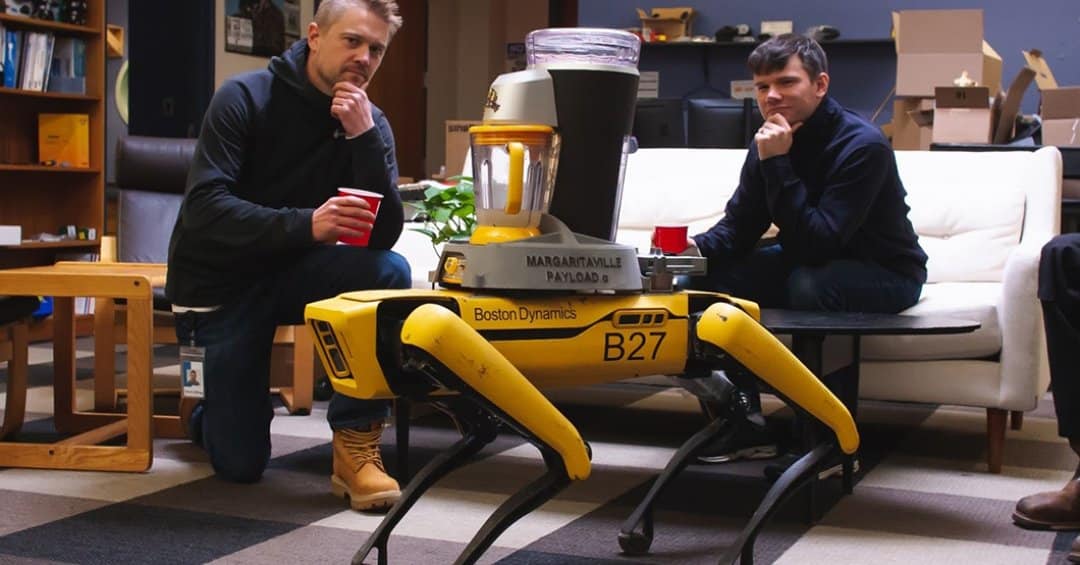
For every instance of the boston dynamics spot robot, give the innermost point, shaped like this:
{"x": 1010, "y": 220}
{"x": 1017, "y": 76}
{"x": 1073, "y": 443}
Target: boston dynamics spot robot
{"x": 530, "y": 303}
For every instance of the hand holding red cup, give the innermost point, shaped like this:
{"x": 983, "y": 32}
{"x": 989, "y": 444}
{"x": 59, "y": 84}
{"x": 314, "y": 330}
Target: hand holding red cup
{"x": 373, "y": 200}
{"x": 672, "y": 240}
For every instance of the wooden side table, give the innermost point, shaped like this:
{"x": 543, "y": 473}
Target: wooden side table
{"x": 65, "y": 281}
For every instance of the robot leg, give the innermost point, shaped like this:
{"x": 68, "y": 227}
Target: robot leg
{"x": 438, "y": 343}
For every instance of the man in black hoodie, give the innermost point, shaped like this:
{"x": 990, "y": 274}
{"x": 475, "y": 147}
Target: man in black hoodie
{"x": 828, "y": 180}
{"x": 255, "y": 238}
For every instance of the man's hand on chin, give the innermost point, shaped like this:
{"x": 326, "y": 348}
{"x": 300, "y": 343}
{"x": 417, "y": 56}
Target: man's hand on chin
{"x": 350, "y": 105}
{"x": 775, "y": 136}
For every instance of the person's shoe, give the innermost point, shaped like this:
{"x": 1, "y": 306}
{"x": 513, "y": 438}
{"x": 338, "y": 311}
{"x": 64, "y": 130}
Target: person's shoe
{"x": 1056, "y": 510}
{"x": 743, "y": 440}
{"x": 359, "y": 474}
{"x": 1074, "y": 551}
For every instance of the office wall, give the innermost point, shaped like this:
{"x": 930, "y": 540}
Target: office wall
{"x": 227, "y": 63}
{"x": 466, "y": 50}
{"x": 116, "y": 13}
{"x": 1010, "y": 26}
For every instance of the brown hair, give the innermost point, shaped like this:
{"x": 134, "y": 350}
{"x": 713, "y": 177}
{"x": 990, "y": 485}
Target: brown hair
{"x": 331, "y": 10}
{"x": 773, "y": 55}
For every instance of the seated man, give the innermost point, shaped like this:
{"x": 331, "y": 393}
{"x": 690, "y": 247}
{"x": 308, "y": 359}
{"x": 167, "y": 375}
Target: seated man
{"x": 827, "y": 178}
{"x": 256, "y": 237}
{"x": 1059, "y": 292}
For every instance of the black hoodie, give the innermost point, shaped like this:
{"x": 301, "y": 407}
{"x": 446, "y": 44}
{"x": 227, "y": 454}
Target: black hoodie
{"x": 269, "y": 153}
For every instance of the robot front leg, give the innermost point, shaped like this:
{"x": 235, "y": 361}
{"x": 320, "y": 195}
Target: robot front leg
{"x": 734, "y": 334}
{"x": 440, "y": 345}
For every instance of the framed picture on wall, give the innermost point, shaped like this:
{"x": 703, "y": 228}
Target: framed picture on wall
{"x": 261, "y": 27}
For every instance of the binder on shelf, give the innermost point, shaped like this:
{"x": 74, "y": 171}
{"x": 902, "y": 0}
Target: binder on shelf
{"x": 67, "y": 73}
{"x": 12, "y": 51}
{"x": 64, "y": 140}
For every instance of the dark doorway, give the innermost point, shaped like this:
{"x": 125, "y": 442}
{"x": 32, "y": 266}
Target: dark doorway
{"x": 398, "y": 87}
{"x": 171, "y": 57}
{"x": 563, "y": 13}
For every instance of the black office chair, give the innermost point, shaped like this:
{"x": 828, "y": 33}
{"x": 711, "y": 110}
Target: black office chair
{"x": 151, "y": 174}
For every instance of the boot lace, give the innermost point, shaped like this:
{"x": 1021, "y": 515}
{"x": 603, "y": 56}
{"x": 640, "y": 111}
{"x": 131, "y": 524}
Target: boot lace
{"x": 363, "y": 447}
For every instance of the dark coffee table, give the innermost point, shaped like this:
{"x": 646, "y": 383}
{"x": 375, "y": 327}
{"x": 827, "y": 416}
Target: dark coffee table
{"x": 808, "y": 331}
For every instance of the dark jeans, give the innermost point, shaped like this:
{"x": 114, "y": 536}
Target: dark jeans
{"x": 768, "y": 277}
{"x": 238, "y": 338}
{"x": 1059, "y": 293}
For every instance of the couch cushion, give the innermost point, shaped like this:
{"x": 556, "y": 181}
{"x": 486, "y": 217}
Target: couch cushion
{"x": 678, "y": 186}
{"x": 968, "y": 209}
{"x": 964, "y": 301}
{"x": 416, "y": 249}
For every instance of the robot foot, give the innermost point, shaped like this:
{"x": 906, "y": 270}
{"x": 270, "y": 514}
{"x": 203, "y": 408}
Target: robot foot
{"x": 635, "y": 542}
{"x": 478, "y": 429}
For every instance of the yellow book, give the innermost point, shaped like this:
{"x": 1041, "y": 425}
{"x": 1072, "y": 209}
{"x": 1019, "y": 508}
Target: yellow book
{"x": 64, "y": 140}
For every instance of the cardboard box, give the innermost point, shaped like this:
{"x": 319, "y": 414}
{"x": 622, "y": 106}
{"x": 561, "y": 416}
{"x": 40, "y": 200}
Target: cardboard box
{"x": 912, "y": 124}
{"x": 743, "y": 89}
{"x": 666, "y": 24}
{"x": 962, "y": 115}
{"x": 933, "y": 47}
{"x": 64, "y": 140}
{"x": 457, "y": 145}
{"x": 1059, "y": 106}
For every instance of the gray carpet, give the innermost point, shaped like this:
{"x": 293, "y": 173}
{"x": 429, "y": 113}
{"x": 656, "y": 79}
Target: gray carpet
{"x": 922, "y": 496}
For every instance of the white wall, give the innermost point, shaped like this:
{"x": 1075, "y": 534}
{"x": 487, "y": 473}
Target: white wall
{"x": 227, "y": 64}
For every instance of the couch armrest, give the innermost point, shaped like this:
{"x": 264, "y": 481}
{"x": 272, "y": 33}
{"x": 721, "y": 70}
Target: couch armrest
{"x": 1025, "y": 372}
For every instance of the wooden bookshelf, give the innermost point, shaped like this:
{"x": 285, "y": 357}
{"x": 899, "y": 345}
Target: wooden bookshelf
{"x": 42, "y": 199}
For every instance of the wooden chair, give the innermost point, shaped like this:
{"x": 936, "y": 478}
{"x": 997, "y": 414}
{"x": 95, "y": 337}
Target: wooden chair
{"x": 14, "y": 342}
{"x": 150, "y": 175}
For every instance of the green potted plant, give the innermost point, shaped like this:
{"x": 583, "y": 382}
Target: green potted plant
{"x": 449, "y": 212}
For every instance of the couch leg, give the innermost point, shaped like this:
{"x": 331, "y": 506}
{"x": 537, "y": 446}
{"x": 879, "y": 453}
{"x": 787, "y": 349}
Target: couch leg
{"x": 1016, "y": 419}
{"x": 995, "y": 438}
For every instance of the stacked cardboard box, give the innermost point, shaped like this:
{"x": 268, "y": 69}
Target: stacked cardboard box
{"x": 934, "y": 48}
{"x": 1059, "y": 106}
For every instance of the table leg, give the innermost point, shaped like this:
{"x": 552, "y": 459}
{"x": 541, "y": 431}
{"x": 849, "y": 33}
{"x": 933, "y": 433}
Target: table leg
{"x": 140, "y": 328}
{"x": 64, "y": 402}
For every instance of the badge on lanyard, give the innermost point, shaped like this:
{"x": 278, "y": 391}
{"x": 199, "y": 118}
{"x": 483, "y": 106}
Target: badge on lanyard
{"x": 191, "y": 371}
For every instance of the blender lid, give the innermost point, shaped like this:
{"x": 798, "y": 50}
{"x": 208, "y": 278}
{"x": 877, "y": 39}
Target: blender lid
{"x": 578, "y": 45}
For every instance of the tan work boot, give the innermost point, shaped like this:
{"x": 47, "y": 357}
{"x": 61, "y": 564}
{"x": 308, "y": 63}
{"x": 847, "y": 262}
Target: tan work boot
{"x": 359, "y": 474}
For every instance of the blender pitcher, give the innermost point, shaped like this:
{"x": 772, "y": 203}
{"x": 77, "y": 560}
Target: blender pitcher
{"x": 513, "y": 174}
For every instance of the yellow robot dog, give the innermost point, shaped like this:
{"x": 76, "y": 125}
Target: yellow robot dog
{"x": 534, "y": 303}
{"x": 483, "y": 356}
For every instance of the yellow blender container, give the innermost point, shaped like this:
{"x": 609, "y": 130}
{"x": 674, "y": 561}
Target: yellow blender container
{"x": 513, "y": 174}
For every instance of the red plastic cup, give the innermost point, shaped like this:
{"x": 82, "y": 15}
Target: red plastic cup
{"x": 373, "y": 199}
{"x": 670, "y": 239}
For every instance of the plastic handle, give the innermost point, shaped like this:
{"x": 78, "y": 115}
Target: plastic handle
{"x": 517, "y": 170}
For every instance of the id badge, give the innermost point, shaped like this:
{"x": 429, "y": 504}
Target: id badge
{"x": 192, "y": 376}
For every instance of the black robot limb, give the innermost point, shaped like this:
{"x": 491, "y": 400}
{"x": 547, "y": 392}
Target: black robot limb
{"x": 436, "y": 343}
{"x": 729, "y": 338}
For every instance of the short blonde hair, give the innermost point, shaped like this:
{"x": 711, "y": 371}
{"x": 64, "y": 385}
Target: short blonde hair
{"x": 330, "y": 11}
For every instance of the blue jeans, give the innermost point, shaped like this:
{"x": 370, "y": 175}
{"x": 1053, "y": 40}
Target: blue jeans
{"x": 238, "y": 338}
{"x": 769, "y": 277}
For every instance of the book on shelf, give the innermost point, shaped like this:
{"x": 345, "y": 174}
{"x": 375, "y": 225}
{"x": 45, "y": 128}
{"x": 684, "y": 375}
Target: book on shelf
{"x": 12, "y": 55}
{"x": 42, "y": 61}
{"x": 64, "y": 140}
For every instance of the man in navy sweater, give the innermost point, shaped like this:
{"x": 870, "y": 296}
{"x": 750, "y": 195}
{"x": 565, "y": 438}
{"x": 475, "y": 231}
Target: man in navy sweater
{"x": 827, "y": 179}
{"x": 255, "y": 238}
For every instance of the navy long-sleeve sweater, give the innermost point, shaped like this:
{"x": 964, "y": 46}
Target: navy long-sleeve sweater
{"x": 269, "y": 153}
{"x": 835, "y": 195}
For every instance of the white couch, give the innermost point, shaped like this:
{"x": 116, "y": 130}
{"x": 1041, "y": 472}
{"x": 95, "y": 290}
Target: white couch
{"x": 982, "y": 219}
